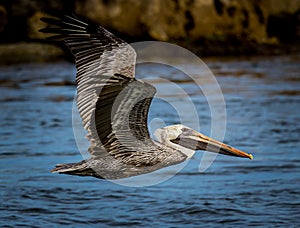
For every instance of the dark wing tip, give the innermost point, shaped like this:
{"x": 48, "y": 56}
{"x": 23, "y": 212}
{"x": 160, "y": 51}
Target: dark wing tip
{"x": 52, "y": 21}
{"x": 70, "y": 23}
{"x": 64, "y": 26}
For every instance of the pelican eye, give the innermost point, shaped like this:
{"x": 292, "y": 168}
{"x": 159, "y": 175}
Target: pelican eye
{"x": 187, "y": 131}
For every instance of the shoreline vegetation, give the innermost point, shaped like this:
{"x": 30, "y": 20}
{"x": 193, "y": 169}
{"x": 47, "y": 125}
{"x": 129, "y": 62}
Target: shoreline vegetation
{"x": 207, "y": 28}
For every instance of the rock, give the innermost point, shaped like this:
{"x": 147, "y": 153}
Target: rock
{"x": 29, "y": 52}
{"x": 3, "y": 18}
{"x": 191, "y": 23}
{"x": 189, "y": 20}
{"x": 216, "y": 20}
{"x": 35, "y": 24}
{"x": 22, "y": 16}
{"x": 121, "y": 15}
{"x": 166, "y": 25}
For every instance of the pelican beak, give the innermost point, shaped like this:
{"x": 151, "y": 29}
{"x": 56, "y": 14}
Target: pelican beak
{"x": 194, "y": 140}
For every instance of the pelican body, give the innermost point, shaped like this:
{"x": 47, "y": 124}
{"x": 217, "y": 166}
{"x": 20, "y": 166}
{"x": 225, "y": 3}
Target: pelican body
{"x": 114, "y": 106}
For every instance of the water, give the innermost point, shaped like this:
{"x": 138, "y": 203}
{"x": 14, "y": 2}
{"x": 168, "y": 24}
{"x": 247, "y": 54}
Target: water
{"x": 262, "y": 98}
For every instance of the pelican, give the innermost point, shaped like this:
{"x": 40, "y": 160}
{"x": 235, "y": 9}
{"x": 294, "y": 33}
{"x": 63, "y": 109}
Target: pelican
{"x": 114, "y": 106}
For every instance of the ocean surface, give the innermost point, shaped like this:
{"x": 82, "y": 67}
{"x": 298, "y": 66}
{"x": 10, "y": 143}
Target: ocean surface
{"x": 262, "y": 96}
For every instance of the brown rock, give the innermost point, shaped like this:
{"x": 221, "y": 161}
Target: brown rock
{"x": 121, "y": 15}
{"x": 35, "y": 24}
{"x": 28, "y": 52}
{"x": 3, "y": 18}
{"x": 189, "y": 20}
{"x": 192, "y": 23}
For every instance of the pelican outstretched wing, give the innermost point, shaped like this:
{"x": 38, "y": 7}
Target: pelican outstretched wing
{"x": 98, "y": 55}
{"x": 112, "y": 104}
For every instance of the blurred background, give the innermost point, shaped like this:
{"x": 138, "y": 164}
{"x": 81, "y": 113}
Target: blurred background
{"x": 206, "y": 27}
{"x": 253, "y": 49}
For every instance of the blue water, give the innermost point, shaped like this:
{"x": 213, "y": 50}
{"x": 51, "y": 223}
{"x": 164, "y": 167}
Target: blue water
{"x": 262, "y": 98}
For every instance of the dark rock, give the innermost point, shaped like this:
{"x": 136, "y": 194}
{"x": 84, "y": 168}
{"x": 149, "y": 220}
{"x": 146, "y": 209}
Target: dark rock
{"x": 29, "y": 52}
{"x": 3, "y": 18}
{"x": 248, "y": 23}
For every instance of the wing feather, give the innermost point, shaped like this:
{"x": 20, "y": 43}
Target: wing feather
{"x": 112, "y": 104}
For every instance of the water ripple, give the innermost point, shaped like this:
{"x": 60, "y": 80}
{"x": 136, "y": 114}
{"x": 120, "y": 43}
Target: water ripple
{"x": 262, "y": 118}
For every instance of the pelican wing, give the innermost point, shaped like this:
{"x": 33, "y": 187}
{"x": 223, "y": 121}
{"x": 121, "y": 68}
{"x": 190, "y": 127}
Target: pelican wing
{"x": 119, "y": 125}
{"x": 112, "y": 104}
{"x": 98, "y": 55}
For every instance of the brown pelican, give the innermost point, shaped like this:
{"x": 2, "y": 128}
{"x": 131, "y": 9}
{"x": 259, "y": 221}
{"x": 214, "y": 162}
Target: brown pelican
{"x": 114, "y": 107}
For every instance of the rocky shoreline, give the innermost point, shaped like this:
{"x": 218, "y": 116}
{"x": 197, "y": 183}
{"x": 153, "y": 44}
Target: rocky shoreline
{"x": 207, "y": 28}
{"x": 17, "y": 53}
{"x": 28, "y": 52}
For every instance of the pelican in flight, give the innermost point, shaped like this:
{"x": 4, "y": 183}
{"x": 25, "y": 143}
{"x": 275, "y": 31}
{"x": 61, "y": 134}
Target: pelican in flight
{"x": 114, "y": 106}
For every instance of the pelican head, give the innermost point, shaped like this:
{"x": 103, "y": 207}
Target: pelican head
{"x": 188, "y": 141}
